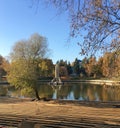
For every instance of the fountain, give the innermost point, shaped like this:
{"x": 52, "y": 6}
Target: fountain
{"x": 56, "y": 80}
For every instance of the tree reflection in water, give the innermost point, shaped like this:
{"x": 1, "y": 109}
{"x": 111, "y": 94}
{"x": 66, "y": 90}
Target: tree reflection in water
{"x": 79, "y": 91}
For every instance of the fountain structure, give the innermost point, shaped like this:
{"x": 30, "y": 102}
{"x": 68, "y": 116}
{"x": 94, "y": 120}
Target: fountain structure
{"x": 56, "y": 80}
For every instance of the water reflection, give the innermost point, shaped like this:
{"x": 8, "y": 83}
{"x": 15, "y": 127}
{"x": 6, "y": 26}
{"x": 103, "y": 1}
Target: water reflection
{"x": 81, "y": 91}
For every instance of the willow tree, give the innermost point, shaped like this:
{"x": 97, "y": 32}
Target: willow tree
{"x": 96, "y": 21}
{"x": 25, "y": 57}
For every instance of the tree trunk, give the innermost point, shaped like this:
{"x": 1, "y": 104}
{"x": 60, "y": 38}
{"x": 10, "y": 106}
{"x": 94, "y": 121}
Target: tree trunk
{"x": 36, "y": 93}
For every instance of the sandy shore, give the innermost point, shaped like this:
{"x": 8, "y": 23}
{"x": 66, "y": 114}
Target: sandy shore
{"x": 57, "y": 114}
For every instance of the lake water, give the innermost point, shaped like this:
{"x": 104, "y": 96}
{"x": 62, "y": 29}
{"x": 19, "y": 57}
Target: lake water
{"x": 81, "y": 92}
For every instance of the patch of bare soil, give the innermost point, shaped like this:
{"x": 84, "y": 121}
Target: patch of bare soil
{"x": 24, "y": 113}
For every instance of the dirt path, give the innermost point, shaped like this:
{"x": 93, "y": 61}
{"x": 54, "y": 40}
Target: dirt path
{"x": 59, "y": 114}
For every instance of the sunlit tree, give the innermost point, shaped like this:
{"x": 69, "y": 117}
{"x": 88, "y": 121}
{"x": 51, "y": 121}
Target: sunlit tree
{"x": 111, "y": 65}
{"x": 99, "y": 67}
{"x": 91, "y": 66}
{"x": 4, "y": 65}
{"x": 46, "y": 68}
{"x": 25, "y": 58}
{"x": 97, "y": 21}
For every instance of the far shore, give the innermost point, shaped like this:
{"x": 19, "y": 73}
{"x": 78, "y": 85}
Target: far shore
{"x": 92, "y": 81}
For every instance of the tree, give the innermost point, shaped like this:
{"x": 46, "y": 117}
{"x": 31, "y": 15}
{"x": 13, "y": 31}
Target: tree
{"x": 63, "y": 68}
{"x": 25, "y": 58}
{"x": 63, "y": 71}
{"x": 62, "y": 62}
{"x": 111, "y": 65}
{"x": 90, "y": 66}
{"x": 4, "y": 64}
{"x": 99, "y": 71}
{"x": 76, "y": 66}
{"x": 46, "y": 68}
{"x": 99, "y": 19}
{"x": 69, "y": 68}
{"x": 117, "y": 67}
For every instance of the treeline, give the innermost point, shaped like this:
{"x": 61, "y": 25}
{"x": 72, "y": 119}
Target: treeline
{"x": 106, "y": 66}
{"x": 45, "y": 68}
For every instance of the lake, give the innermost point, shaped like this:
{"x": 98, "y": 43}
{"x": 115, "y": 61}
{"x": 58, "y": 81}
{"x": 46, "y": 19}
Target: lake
{"x": 74, "y": 91}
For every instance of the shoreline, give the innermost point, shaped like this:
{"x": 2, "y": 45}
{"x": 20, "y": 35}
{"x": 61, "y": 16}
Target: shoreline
{"x": 96, "y": 81}
{"x": 100, "y": 82}
{"x": 97, "y": 104}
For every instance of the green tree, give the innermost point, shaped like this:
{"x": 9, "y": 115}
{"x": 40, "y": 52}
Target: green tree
{"x": 46, "y": 68}
{"x": 62, "y": 62}
{"x": 69, "y": 68}
{"x": 76, "y": 66}
{"x": 4, "y": 64}
{"x": 25, "y": 58}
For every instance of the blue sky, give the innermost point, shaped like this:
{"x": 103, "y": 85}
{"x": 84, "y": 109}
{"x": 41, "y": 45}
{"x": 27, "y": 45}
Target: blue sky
{"x": 19, "y": 21}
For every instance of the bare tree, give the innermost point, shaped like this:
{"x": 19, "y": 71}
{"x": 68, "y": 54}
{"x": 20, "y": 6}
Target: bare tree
{"x": 99, "y": 19}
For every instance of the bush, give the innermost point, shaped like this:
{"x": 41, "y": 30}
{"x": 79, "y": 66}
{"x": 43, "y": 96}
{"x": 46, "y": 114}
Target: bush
{"x": 3, "y": 90}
